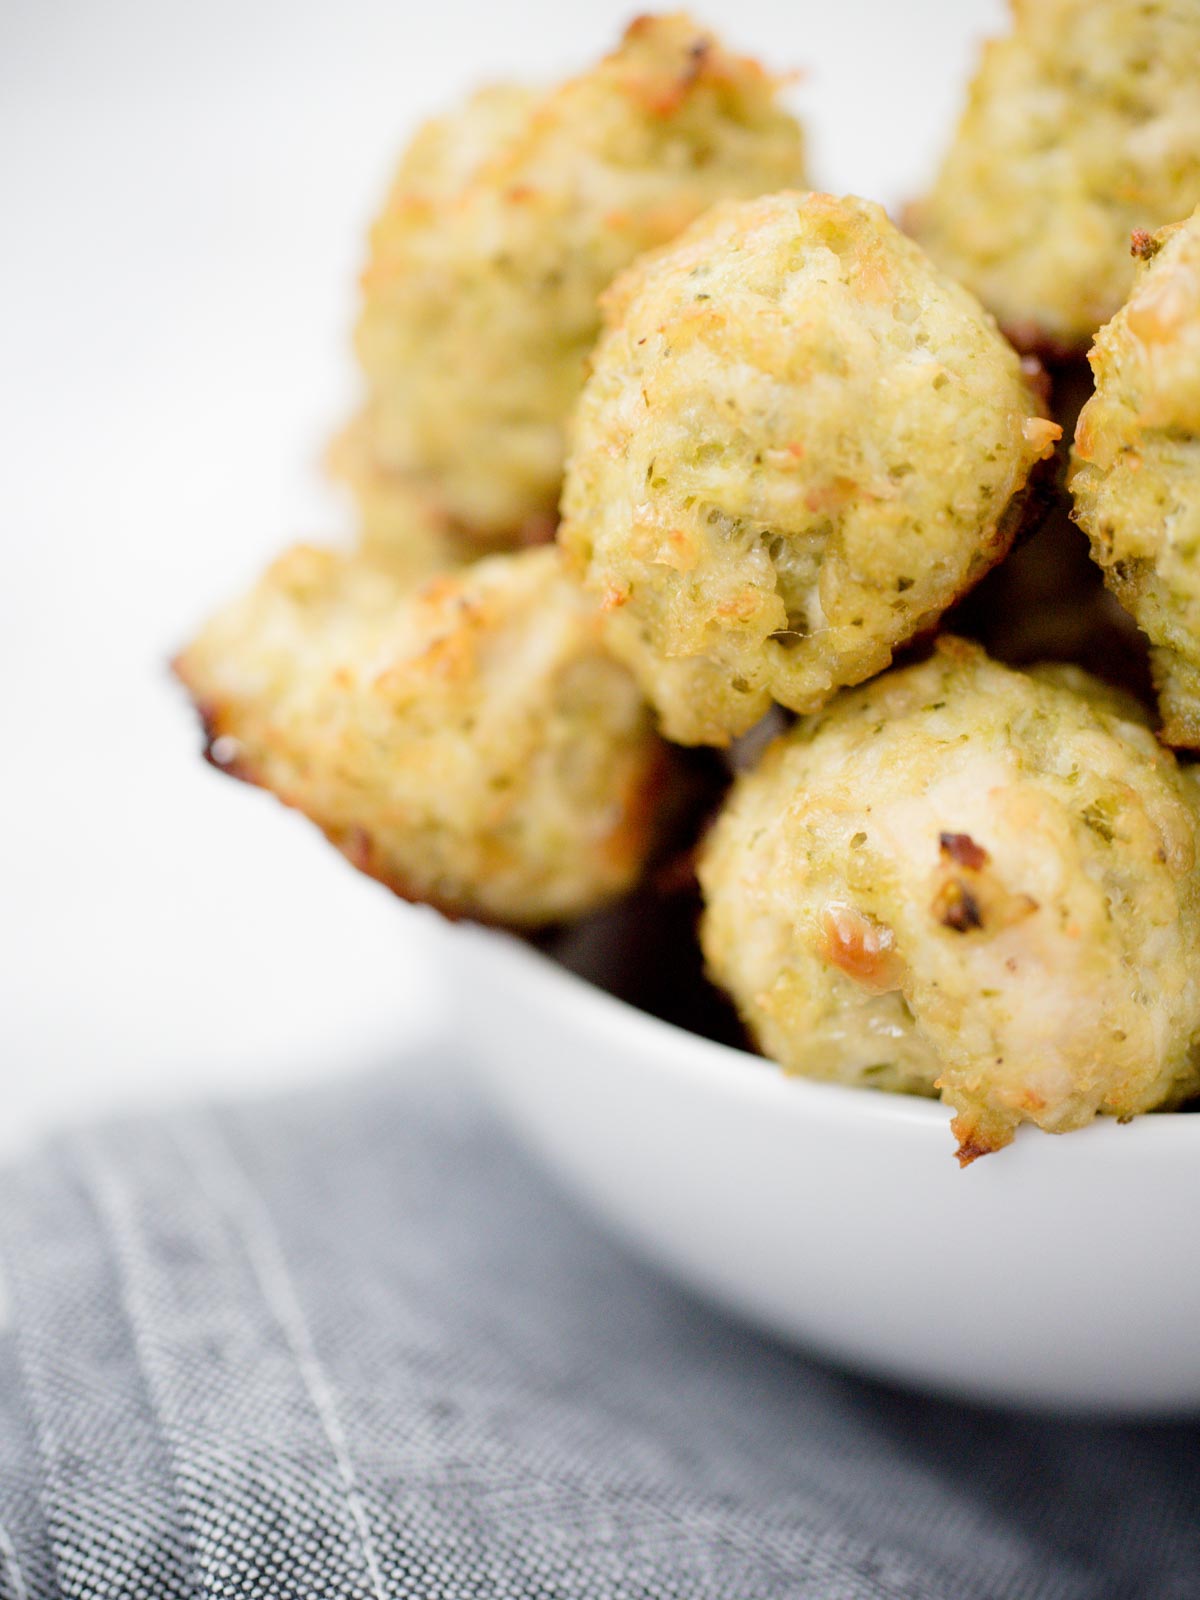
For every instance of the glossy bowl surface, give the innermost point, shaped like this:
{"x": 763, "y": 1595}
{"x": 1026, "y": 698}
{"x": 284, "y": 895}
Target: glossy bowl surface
{"x": 1061, "y": 1273}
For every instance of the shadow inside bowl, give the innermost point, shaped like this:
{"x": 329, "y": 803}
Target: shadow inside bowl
{"x": 645, "y": 951}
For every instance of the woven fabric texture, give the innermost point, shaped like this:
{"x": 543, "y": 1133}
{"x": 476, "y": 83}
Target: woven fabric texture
{"x": 351, "y": 1344}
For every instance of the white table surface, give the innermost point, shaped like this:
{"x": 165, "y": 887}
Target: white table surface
{"x": 184, "y": 191}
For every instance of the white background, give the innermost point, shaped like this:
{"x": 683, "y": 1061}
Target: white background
{"x": 184, "y": 191}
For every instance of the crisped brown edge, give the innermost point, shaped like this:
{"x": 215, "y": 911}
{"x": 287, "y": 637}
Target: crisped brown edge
{"x": 649, "y": 810}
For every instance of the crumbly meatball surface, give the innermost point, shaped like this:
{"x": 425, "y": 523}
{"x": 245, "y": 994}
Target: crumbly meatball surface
{"x": 799, "y": 443}
{"x": 504, "y": 224}
{"x": 968, "y": 880}
{"x": 468, "y": 741}
{"x": 1083, "y": 123}
{"x": 1136, "y": 466}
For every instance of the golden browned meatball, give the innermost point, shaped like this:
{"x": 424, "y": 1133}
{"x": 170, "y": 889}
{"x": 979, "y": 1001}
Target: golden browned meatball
{"x": 401, "y": 522}
{"x": 798, "y": 445}
{"x": 968, "y": 880}
{"x": 1082, "y": 124}
{"x": 504, "y": 224}
{"x": 1136, "y": 472}
{"x": 468, "y": 741}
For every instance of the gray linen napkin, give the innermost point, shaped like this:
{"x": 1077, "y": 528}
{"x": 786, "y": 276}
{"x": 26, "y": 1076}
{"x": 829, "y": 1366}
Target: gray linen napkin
{"x": 351, "y": 1344}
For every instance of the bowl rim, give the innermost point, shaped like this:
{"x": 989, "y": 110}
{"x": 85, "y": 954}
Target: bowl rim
{"x": 684, "y": 1055}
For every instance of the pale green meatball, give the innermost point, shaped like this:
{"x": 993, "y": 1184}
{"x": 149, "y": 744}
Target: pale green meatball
{"x": 1082, "y": 124}
{"x": 1136, "y": 466}
{"x": 467, "y": 740}
{"x": 966, "y": 880}
{"x": 798, "y": 445}
{"x": 505, "y": 222}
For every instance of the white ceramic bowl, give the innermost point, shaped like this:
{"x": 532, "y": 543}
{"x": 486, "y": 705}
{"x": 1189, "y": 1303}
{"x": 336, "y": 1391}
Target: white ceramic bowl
{"x": 1060, "y": 1273}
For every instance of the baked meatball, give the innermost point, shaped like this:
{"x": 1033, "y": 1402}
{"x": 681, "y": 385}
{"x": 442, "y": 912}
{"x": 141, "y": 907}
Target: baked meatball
{"x": 966, "y": 880}
{"x": 1082, "y": 124}
{"x": 468, "y": 741}
{"x": 1136, "y": 466}
{"x": 798, "y": 444}
{"x": 505, "y": 223}
{"x": 401, "y": 523}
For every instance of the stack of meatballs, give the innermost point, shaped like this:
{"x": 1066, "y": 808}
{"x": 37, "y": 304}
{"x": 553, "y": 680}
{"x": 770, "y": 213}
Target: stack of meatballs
{"x": 659, "y": 448}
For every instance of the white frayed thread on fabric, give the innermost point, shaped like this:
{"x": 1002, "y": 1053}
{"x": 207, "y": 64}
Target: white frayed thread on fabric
{"x": 229, "y": 1190}
{"x": 10, "y": 1564}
